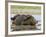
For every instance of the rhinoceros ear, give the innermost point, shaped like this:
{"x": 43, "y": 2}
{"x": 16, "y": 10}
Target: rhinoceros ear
{"x": 12, "y": 18}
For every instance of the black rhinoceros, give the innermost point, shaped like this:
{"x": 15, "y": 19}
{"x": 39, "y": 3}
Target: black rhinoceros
{"x": 25, "y": 20}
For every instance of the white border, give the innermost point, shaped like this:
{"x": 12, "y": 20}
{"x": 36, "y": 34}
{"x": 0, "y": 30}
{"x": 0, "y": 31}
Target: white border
{"x": 24, "y": 32}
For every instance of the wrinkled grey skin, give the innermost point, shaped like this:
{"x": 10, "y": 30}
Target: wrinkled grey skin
{"x": 20, "y": 19}
{"x": 29, "y": 21}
